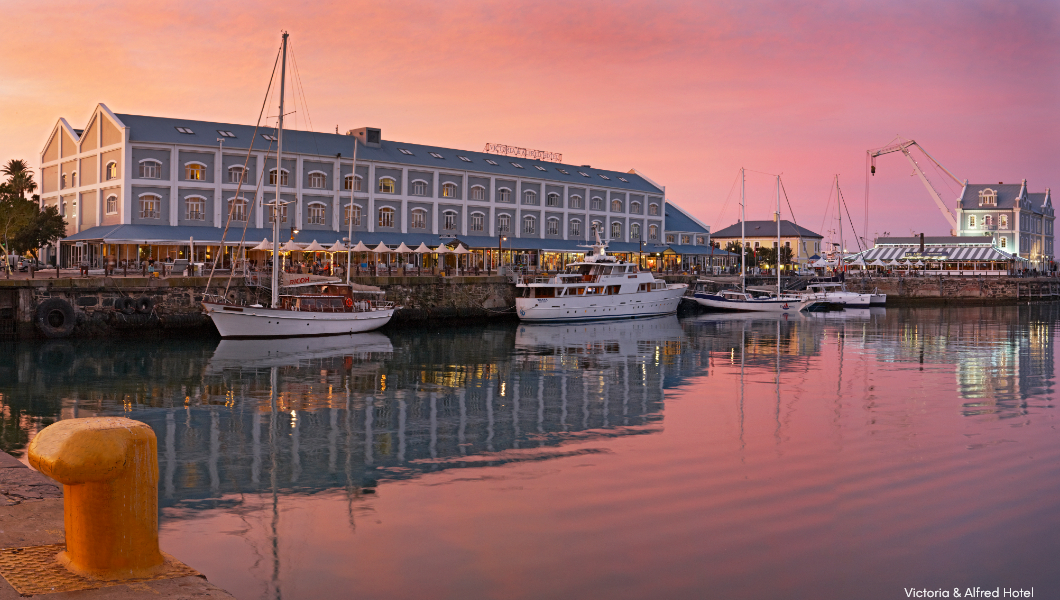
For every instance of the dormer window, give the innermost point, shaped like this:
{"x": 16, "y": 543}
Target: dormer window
{"x": 987, "y": 197}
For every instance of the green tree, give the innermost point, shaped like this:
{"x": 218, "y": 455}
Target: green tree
{"x": 16, "y": 214}
{"x": 19, "y": 177}
{"x": 46, "y": 226}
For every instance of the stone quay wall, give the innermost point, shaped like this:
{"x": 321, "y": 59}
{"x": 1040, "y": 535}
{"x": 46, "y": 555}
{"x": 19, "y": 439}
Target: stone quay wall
{"x": 106, "y": 306}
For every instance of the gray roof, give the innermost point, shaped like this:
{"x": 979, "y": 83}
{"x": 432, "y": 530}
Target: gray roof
{"x": 1006, "y": 194}
{"x": 677, "y": 220}
{"x": 952, "y": 252}
{"x": 766, "y": 229}
{"x": 937, "y": 240}
{"x": 163, "y": 130}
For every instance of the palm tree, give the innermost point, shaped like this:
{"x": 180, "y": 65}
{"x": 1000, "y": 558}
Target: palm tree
{"x": 19, "y": 176}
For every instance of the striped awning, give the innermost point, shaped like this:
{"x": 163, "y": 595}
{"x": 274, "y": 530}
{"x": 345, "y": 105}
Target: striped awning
{"x": 944, "y": 253}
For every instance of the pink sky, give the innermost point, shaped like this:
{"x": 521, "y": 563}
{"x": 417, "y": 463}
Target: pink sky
{"x": 685, "y": 92}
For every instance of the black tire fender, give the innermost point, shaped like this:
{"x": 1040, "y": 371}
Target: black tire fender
{"x": 55, "y": 318}
{"x": 126, "y": 305}
{"x": 145, "y": 304}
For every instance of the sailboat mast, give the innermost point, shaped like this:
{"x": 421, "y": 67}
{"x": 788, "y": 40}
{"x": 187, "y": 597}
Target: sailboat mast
{"x": 349, "y": 215}
{"x": 743, "y": 235}
{"x": 839, "y": 209}
{"x": 279, "y": 178}
{"x": 778, "y": 236}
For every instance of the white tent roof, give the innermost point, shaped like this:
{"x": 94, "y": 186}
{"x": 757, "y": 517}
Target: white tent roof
{"x": 402, "y": 249}
{"x": 264, "y": 245}
{"x": 291, "y": 246}
{"x": 422, "y": 249}
{"x": 442, "y": 249}
{"x": 337, "y": 247}
{"x": 314, "y": 246}
{"x": 878, "y": 263}
{"x": 381, "y": 249}
{"x": 461, "y": 250}
{"x": 360, "y": 247}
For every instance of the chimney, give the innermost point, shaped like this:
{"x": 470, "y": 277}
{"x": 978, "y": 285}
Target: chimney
{"x": 776, "y": 217}
{"x": 921, "y": 243}
{"x": 369, "y": 136}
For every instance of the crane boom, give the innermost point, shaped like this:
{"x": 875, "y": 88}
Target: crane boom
{"x": 904, "y": 147}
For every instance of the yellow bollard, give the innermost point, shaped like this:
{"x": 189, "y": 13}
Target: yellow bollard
{"x": 109, "y": 470}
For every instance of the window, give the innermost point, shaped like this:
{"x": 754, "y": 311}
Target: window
{"x": 529, "y": 197}
{"x": 317, "y": 212}
{"x": 112, "y": 170}
{"x": 504, "y": 195}
{"x": 386, "y": 185}
{"x": 987, "y": 197}
{"x": 478, "y": 192}
{"x": 597, "y": 203}
{"x": 477, "y": 221}
{"x": 435, "y": 154}
{"x": 195, "y": 208}
{"x": 112, "y": 205}
{"x": 449, "y": 220}
{"x": 987, "y": 221}
{"x": 150, "y": 206}
{"x": 529, "y": 224}
{"x": 634, "y": 207}
{"x": 491, "y": 162}
{"x": 237, "y": 174}
{"x": 552, "y": 200}
{"x": 449, "y": 190}
{"x": 283, "y": 177}
{"x": 971, "y": 221}
{"x": 653, "y": 232}
{"x": 553, "y": 226}
{"x": 406, "y": 152}
{"x": 356, "y": 215}
{"x": 670, "y": 239}
{"x": 62, "y": 181}
{"x": 419, "y": 187}
{"x": 602, "y": 176}
{"x": 419, "y": 219}
{"x": 540, "y": 168}
{"x": 237, "y": 209}
{"x": 1003, "y": 242}
{"x": 386, "y": 216}
{"x": 616, "y": 230}
{"x": 653, "y": 209}
{"x": 562, "y": 171}
{"x": 150, "y": 169}
{"x": 575, "y": 227}
{"x": 504, "y": 223}
{"x": 73, "y": 179}
{"x": 597, "y": 227}
{"x": 185, "y": 130}
{"x": 317, "y": 180}
{"x": 464, "y": 158}
{"x": 623, "y": 180}
{"x": 283, "y": 214}
{"x": 583, "y": 174}
{"x": 266, "y": 136}
{"x": 227, "y": 134}
{"x": 616, "y": 206}
{"x": 576, "y": 202}
{"x": 195, "y": 171}
{"x": 517, "y": 165}
{"x": 634, "y": 231}
{"x": 687, "y": 239}
{"x": 701, "y": 240}
{"x": 352, "y": 183}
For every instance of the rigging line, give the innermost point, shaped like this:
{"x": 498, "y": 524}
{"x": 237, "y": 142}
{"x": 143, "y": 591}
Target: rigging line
{"x": 868, "y": 163}
{"x": 827, "y": 206}
{"x": 250, "y": 148}
{"x": 257, "y": 190}
{"x": 841, "y": 199}
{"x": 727, "y": 198}
{"x": 305, "y": 102}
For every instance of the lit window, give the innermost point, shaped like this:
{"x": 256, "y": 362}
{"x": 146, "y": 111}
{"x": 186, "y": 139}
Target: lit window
{"x": 491, "y": 162}
{"x": 237, "y": 209}
{"x": 687, "y": 239}
{"x": 583, "y": 174}
{"x": 283, "y": 214}
{"x": 237, "y": 174}
{"x": 112, "y": 170}
{"x": 419, "y": 188}
{"x": 576, "y": 227}
{"x": 112, "y": 205}
{"x": 185, "y": 130}
{"x": 504, "y": 223}
{"x": 449, "y": 190}
{"x": 317, "y": 180}
{"x": 477, "y": 221}
{"x": 1002, "y": 221}
{"x": 670, "y": 239}
{"x": 597, "y": 203}
{"x": 435, "y": 154}
{"x": 150, "y": 206}
{"x": 478, "y": 192}
{"x": 971, "y": 221}
{"x": 266, "y": 136}
{"x": 653, "y": 209}
{"x": 317, "y": 212}
{"x": 227, "y": 134}
{"x": 653, "y": 232}
{"x": 73, "y": 179}
{"x": 62, "y": 181}
{"x": 283, "y": 177}
{"x": 386, "y": 217}
{"x": 616, "y": 230}
{"x": 576, "y": 202}
{"x": 623, "y": 179}
{"x": 352, "y": 181}
{"x": 195, "y": 208}
{"x": 464, "y": 158}
{"x": 517, "y": 165}
{"x": 987, "y": 197}
{"x": 562, "y": 171}
{"x": 634, "y": 231}
{"x": 529, "y": 197}
{"x": 552, "y": 200}
{"x": 195, "y": 172}
{"x": 449, "y": 220}
{"x": 1004, "y": 242}
{"x": 553, "y": 226}
{"x": 540, "y": 168}
{"x": 616, "y": 206}
{"x": 419, "y": 219}
{"x": 986, "y": 221}
{"x": 602, "y": 176}
{"x": 406, "y": 152}
{"x": 701, "y": 240}
{"x": 386, "y": 185}
{"x": 356, "y": 215}
{"x": 529, "y": 224}
{"x": 504, "y": 195}
{"x": 150, "y": 169}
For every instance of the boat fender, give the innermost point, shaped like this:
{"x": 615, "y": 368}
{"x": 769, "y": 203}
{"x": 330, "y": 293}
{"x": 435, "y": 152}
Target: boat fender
{"x": 55, "y": 318}
{"x": 145, "y": 304}
{"x": 126, "y": 305}
{"x": 349, "y": 302}
{"x": 232, "y": 297}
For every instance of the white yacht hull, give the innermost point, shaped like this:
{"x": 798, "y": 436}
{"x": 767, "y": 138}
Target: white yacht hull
{"x": 590, "y": 308}
{"x": 253, "y": 322}
{"x": 878, "y": 300}
{"x": 718, "y": 302}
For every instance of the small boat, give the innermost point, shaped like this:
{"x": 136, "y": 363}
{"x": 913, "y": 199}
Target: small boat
{"x": 599, "y": 287}
{"x": 835, "y": 293}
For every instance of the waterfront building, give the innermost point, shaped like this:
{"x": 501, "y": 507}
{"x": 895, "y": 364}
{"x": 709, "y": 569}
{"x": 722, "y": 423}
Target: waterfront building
{"x": 134, "y": 187}
{"x": 804, "y": 244}
{"x": 1018, "y": 222}
{"x": 943, "y": 255}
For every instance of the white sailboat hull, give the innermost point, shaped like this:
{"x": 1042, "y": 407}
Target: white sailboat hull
{"x": 718, "y": 302}
{"x": 254, "y": 322}
{"x": 590, "y": 308}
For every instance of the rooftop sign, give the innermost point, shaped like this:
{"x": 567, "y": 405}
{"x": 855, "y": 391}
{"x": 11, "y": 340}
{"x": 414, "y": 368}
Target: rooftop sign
{"x": 523, "y": 152}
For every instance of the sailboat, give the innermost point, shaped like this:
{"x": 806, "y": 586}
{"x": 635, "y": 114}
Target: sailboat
{"x": 837, "y": 293}
{"x": 334, "y": 308}
{"x": 742, "y": 300}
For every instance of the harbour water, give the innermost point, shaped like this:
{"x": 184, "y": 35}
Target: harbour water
{"x": 833, "y": 455}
